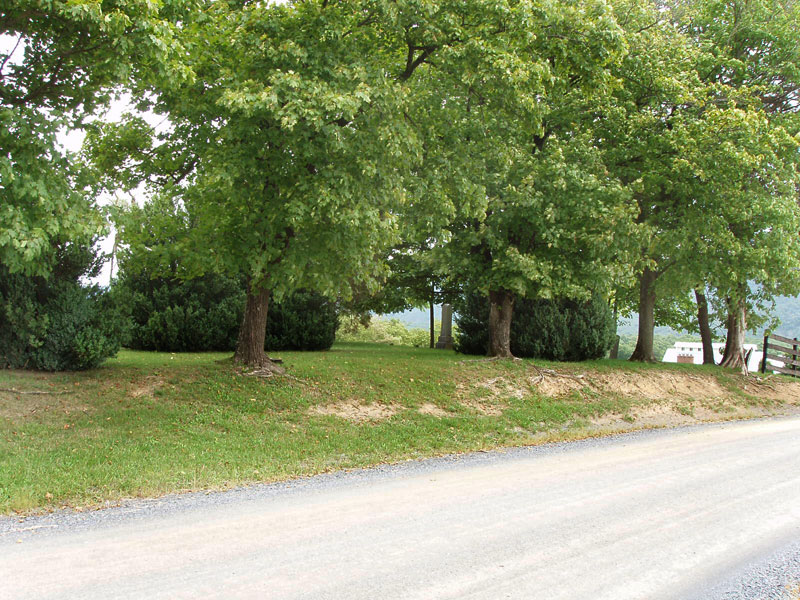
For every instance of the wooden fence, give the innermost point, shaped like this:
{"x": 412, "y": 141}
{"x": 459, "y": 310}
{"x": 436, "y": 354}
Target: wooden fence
{"x": 784, "y": 350}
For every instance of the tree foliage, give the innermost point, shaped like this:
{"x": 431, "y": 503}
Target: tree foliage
{"x": 522, "y": 149}
{"x": 60, "y": 63}
{"x": 696, "y": 135}
{"x": 528, "y": 208}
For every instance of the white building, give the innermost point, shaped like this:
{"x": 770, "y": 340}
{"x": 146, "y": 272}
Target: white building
{"x": 692, "y": 353}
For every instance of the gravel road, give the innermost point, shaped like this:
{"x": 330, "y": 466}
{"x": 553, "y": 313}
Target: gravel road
{"x": 710, "y": 512}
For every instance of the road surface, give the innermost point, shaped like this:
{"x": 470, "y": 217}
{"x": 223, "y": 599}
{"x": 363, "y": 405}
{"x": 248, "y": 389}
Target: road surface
{"x": 702, "y": 512}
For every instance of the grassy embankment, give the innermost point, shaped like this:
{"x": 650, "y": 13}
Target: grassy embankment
{"x": 148, "y": 423}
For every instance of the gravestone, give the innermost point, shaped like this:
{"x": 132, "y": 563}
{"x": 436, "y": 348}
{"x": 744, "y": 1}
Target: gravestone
{"x": 445, "y": 341}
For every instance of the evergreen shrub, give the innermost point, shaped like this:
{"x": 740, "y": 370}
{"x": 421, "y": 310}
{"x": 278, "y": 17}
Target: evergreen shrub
{"x": 55, "y": 323}
{"x": 560, "y": 329}
{"x": 204, "y": 314}
{"x": 303, "y": 321}
{"x": 169, "y": 315}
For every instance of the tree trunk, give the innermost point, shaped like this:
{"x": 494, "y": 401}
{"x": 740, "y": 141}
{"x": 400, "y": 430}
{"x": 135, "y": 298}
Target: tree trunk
{"x": 501, "y": 307}
{"x": 647, "y": 321}
{"x": 733, "y": 357}
{"x": 250, "y": 345}
{"x": 705, "y": 328}
{"x": 614, "y": 352}
{"x": 433, "y": 323}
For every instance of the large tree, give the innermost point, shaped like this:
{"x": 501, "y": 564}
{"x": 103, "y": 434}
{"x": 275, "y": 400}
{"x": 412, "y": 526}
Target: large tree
{"x": 59, "y": 63}
{"x": 533, "y": 212}
{"x": 754, "y": 68}
{"x": 695, "y": 142}
{"x": 658, "y": 88}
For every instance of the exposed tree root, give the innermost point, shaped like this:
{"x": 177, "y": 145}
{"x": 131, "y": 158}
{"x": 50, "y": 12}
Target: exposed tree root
{"x": 265, "y": 371}
{"x": 762, "y": 381}
{"x": 542, "y": 373}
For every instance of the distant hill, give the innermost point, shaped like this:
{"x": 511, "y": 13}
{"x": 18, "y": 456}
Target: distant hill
{"x": 416, "y": 317}
{"x": 787, "y": 309}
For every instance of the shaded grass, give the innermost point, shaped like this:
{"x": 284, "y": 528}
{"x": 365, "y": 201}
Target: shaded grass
{"x": 151, "y": 423}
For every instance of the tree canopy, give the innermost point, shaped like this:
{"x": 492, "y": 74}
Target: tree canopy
{"x": 645, "y": 151}
{"x": 60, "y": 62}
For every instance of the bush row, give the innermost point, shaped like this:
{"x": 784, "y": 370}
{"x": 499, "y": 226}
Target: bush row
{"x": 56, "y": 323}
{"x": 560, "y": 330}
{"x": 205, "y": 314}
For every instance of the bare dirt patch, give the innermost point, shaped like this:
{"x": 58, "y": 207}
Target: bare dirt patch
{"x": 428, "y": 408}
{"x": 638, "y": 385}
{"x": 146, "y": 388}
{"x": 489, "y": 397}
{"x": 666, "y": 386}
{"x": 672, "y": 399}
{"x": 665, "y": 415}
{"x": 486, "y": 409}
{"x": 656, "y": 398}
{"x": 352, "y": 410}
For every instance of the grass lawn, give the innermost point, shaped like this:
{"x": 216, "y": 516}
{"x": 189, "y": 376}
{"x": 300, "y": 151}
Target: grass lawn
{"x": 146, "y": 423}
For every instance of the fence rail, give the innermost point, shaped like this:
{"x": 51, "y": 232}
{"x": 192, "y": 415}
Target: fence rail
{"x": 782, "y": 349}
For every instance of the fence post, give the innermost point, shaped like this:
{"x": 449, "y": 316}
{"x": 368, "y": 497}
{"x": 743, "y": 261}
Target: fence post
{"x": 794, "y": 356}
{"x": 764, "y": 356}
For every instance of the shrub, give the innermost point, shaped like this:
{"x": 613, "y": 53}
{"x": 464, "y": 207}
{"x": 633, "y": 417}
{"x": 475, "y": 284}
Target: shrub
{"x": 303, "y": 321}
{"x": 204, "y": 314}
{"x": 592, "y": 329}
{"x": 55, "y": 323}
{"x": 472, "y": 317}
{"x": 540, "y": 329}
{"x": 169, "y": 315}
{"x": 551, "y": 329}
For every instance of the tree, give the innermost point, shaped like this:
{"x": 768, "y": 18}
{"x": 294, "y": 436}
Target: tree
{"x": 753, "y": 218}
{"x": 533, "y": 212}
{"x": 282, "y": 148}
{"x": 658, "y": 87}
{"x": 696, "y": 146}
{"x": 755, "y": 69}
{"x": 61, "y": 64}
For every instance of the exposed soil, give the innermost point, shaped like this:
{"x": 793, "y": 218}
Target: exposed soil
{"x": 428, "y": 408}
{"x": 150, "y": 384}
{"x": 488, "y": 409}
{"x": 671, "y": 386}
{"x": 490, "y": 397}
{"x": 671, "y": 399}
{"x": 655, "y": 399}
{"x": 356, "y": 412}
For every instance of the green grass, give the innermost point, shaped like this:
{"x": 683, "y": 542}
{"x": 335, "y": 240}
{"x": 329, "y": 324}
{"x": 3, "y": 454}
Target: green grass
{"x": 151, "y": 423}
